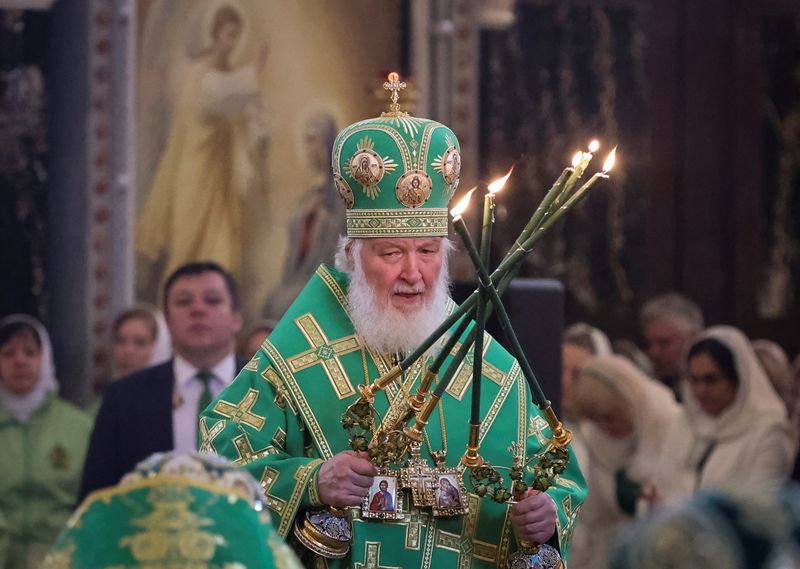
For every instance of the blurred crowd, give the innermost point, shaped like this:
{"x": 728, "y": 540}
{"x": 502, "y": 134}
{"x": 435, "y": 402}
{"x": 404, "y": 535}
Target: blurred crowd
{"x": 700, "y": 410}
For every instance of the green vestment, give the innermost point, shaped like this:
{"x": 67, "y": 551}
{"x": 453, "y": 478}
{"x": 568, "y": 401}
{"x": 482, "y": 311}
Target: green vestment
{"x": 281, "y": 418}
{"x": 39, "y": 476}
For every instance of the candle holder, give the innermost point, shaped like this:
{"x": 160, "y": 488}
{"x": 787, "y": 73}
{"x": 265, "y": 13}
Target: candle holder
{"x": 471, "y": 458}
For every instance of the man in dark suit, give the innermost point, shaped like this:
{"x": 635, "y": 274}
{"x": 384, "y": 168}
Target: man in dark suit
{"x": 156, "y": 409}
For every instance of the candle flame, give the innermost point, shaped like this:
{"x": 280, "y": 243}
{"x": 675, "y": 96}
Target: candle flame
{"x": 594, "y": 145}
{"x": 577, "y": 159}
{"x": 461, "y": 206}
{"x": 609, "y": 163}
{"x": 498, "y": 184}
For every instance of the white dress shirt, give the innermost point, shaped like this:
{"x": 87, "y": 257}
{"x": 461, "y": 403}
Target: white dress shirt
{"x": 187, "y": 395}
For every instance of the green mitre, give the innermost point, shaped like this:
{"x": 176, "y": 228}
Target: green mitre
{"x": 174, "y": 511}
{"x": 396, "y": 173}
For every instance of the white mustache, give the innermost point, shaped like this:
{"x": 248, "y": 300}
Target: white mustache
{"x": 408, "y": 289}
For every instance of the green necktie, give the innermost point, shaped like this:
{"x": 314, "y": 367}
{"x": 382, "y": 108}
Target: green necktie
{"x": 204, "y": 401}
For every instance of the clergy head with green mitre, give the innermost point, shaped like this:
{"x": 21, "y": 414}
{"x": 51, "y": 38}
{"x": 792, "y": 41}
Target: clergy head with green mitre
{"x": 396, "y": 174}
{"x": 174, "y": 510}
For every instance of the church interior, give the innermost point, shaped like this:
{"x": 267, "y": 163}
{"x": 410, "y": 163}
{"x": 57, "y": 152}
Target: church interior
{"x": 112, "y": 175}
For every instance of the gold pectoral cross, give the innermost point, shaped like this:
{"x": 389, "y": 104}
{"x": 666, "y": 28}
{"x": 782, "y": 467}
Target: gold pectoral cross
{"x": 418, "y": 477}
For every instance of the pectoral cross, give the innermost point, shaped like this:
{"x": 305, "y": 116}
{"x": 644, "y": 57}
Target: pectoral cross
{"x": 418, "y": 477}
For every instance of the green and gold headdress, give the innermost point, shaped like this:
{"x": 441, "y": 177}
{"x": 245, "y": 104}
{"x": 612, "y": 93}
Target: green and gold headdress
{"x": 396, "y": 173}
{"x": 175, "y": 511}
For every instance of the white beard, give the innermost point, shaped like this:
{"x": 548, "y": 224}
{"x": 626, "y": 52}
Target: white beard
{"x": 387, "y": 329}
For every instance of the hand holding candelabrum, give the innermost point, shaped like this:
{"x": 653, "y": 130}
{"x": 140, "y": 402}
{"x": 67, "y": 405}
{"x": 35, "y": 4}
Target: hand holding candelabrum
{"x": 533, "y": 517}
{"x": 345, "y": 478}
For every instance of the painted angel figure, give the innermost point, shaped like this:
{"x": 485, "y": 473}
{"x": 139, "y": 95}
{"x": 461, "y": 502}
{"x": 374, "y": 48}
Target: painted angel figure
{"x": 215, "y": 142}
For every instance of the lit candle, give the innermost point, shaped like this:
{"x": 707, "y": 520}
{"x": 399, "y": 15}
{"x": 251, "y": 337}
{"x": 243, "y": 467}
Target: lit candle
{"x": 579, "y": 162}
{"x": 580, "y": 192}
{"x": 488, "y": 215}
{"x": 480, "y": 319}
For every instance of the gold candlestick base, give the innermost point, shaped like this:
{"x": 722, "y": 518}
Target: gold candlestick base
{"x": 471, "y": 458}
{"x": 326, "y": 532}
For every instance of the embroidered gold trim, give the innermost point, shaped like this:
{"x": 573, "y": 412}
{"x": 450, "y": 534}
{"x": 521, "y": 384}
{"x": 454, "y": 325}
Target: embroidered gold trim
{"x": 303, "y": 407}
{"x": 313, "y": 489}
{"x": 302, "y": 476}
{"x": 268, "y": 479}
{"x": 522, "y": 414}
{"x": 325, "y": 275}
{"x": 565, "y": 531}
{"x": 463, "y": 378}
{"x": 279, "y": 439}
{"x": 398, "y": 140}
{"x": 242, "y": 412}
{"x": 207, "y": 435}
{"x": 282, "y": 398}
{"x": 245, "y": 453}
{"x": 491, "y": 415}
{"x": 372, "y": 557}
{"x": 252, "y": 365}
{"x": 465, "y": 544}
{"x": 394, "y": 222}
{"x": 325, "y": 353}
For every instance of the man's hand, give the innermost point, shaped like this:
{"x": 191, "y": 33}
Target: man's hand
{"x": 534, "y": 517}
{"x": 344, "y": 479}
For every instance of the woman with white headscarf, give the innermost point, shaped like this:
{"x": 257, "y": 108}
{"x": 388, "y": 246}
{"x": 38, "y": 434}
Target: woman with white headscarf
{"x": 140, "y": 340}
{"x": 734, "y": 430}
{"x": 44, "y": 442}
{"x": 580, "y": 343}
{"x": 621, "y": 419}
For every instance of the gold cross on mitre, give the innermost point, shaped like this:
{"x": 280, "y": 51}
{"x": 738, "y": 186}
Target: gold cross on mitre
{"x": 394, "y": 85}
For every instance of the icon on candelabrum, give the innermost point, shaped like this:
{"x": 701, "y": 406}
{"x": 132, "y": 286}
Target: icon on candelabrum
{"x": 450, "y": 494}
{"x": 385, "y": 500}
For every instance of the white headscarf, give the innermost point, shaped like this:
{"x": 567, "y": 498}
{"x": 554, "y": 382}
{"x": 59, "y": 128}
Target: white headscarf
{"x": 756, "y": 400}
{"x": 162, "y": 346}
{"x": 653, "y": 408}
{"x": 597, "y": 338}
{"x": 22, "y": 406}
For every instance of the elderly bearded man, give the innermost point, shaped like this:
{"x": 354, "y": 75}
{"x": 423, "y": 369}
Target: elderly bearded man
{"x": 281, "y": 417}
